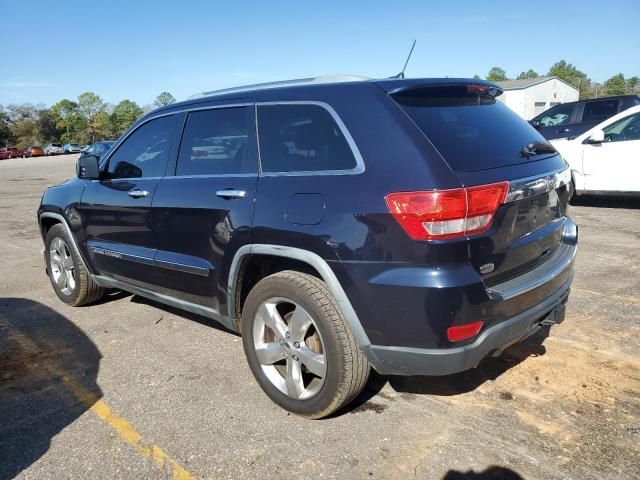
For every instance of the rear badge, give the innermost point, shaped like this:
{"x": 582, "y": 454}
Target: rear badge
{"x": 487, "y": 268}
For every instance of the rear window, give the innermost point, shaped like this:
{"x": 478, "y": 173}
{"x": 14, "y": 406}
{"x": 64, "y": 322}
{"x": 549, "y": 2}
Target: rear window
{"x": 470, "y": 129}
{"x": 301, "y": 138}
{"x": 56, "y": 145}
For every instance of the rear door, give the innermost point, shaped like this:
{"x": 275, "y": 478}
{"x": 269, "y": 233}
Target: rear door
{"x": 203, "y": 213}
{"x": 614, "y": 165}
{"x": 116, "y": 210}
{"x": 482, "y": 141}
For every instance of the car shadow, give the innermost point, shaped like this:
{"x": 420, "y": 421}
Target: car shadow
{"x": 491, "y": 473}
{"x": 488, "y": 370}
{"x": 48, "y": 371}
{"x": 606, "y": 201}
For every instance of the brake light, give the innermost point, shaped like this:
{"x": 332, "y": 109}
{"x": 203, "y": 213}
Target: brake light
{"x": 441, "y": 214}
{"x": 464, "y": 332}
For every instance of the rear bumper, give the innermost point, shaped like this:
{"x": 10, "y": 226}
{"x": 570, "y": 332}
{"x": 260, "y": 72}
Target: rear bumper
{"x": 389, "y": 360}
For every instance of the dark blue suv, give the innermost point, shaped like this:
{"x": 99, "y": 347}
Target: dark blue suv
{"x": 413, "y": 226}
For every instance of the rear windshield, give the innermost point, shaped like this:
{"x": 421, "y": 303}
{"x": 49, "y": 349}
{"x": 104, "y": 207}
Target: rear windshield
{"x": 469, "y": 127}
{"x": 56, "y": 145}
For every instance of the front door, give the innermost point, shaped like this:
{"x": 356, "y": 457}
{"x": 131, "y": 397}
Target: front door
{"x": 203, "y": 214}
{"x": 116, "y": 210}
{"x": 614, "y": 165}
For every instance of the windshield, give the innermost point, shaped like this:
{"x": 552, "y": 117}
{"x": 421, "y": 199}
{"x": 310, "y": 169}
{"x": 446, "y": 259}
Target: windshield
{"x": 470, "y": 129}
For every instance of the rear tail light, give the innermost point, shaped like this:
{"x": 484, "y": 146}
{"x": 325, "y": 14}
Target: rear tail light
{"x": 464, "y": 332}
{"x": 441, "y": 214}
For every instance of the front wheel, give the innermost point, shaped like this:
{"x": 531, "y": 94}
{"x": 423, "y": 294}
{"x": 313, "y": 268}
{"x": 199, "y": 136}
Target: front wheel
{"x": 69, "y": 278}
{"x": 298, "y": 346}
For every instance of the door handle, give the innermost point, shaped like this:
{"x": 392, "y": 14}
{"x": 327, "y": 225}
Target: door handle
{"x": 231, "y": 193}
{"x": 138, "y": 193}
{"x": 563, "y": 130}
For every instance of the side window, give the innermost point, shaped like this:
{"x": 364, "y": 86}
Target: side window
{"x": 145, "y": 152}
{"x": 214, "y": 142}
{"x": 557, "y": 115}
{"x": 599, "y": 110}
{"x": 301, "y": 138}
{"x": 625, "y": 129}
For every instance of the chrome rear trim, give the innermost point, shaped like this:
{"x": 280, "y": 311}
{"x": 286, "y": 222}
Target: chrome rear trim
{"x": 537, "y": 185}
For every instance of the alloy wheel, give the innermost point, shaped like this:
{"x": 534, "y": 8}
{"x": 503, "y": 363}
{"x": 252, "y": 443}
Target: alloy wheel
{"x": 62, "y": 266}
{"x": 289, "y": 348}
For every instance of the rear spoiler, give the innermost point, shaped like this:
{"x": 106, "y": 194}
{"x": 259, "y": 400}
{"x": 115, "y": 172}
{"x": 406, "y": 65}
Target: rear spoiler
{"x": 397, "y": 86}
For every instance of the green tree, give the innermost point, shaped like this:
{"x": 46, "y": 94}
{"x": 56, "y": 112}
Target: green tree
{"x": 528, "y": 74}
{"x": 48, "y": 130}
{"x": 165, "y": 98}
{"x": 24, "y": 125}
{"x": 633, "y": 85}
{"x": 496, "y": 74}
{"x": 6, "y": 137}
{"x": 92, "y": 108}
{"x": 69, "y": 119}
{"x": 615, "y": 85}
{"x": 572, "y": 75}
{"x": 124, "y": 114}
{"x": 476, "y": 77}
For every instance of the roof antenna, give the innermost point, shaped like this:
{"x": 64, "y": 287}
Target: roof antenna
{"x": 401, "y": 74}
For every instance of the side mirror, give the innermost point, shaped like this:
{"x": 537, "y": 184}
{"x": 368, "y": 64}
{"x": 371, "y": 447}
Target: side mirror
{"x": 596, "y": 137}
{"x": 88, "y": 167}
{"x": 535, "y": 123}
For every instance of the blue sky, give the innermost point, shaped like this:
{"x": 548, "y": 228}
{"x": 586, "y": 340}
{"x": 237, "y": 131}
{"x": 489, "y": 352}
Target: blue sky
{"x": 136, "y": 49}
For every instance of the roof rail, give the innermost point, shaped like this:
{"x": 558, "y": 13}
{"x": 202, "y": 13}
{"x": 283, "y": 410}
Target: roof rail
{"x": 285, "y": 83}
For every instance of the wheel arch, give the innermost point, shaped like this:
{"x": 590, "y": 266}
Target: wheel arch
{"x": 319, "y": 267}
{"x": 49, "y": 219}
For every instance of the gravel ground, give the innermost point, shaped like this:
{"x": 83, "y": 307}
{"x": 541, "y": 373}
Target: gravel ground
{"x": 132, "y": 389}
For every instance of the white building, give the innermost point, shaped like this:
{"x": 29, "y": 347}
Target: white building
{"x": 532, "y": 96}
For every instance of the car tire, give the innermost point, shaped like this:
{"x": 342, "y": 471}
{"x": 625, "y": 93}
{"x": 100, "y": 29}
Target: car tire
{"x": 70, "y": 279}
{"x": 298, "y": 345}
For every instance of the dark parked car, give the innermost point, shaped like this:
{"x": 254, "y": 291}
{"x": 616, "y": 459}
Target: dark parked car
{"x": 574, "y": 118}
{"x": 413, "y": 226}
{"x": 97, "y": 149}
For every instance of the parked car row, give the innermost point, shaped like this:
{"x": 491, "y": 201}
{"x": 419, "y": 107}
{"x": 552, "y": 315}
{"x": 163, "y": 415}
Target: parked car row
{"x": 97, "y": 149}
{"x": 11, "y": 152}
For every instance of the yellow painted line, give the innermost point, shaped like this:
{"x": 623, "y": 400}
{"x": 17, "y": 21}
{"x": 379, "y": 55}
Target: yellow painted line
{"x": 621, "y": 298}
{"x": 160, "y": 459}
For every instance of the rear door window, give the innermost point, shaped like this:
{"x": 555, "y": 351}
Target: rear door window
{"x": 214, "y": 142}
{"x": 302, "y": 138}
{"x": 598, "y": 111}
{"x": 470, "y": 129}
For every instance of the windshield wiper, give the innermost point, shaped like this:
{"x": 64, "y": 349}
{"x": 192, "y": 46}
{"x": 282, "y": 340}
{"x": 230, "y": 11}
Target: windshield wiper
{"x": 537, "y": 148}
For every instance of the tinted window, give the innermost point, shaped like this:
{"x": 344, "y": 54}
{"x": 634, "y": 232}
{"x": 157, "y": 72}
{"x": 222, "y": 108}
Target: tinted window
{"x": 600, "y": 110}
{"x": 144, "y": 153}
{"x": 214, "y": 142}
{"x": 625, "y": 129}
{"x": 297, "y": 138}
{"x": 558, "y": 115}
{"x": 470, "y": 129}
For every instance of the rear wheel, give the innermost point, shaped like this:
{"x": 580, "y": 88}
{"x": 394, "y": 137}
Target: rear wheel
{"x": 298, "y": 346}
{"x": 69, "y": 278}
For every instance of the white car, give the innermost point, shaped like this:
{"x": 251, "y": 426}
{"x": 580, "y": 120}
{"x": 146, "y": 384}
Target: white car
{"x": 53, "y": 149}
{"x": 606, "y": 158}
